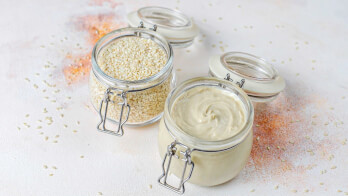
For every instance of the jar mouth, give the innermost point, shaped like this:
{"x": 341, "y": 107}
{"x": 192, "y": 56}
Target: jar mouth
{"x": 201, "y": 144}
{"x": 132, "y": 84}
{"x": 248, "y": 66}
{"x": 164, "y": 17}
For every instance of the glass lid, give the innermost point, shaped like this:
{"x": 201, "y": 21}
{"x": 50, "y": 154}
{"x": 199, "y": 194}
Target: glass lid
{"x": 253, "y": 74}
{"x": 175, "y": 26}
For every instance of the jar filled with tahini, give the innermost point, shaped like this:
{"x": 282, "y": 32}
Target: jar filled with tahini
{"x": 132, "y": 74}
{"x": 205, "y": 135}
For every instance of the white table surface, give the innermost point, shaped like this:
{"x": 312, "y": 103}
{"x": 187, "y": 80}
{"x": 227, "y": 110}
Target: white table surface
{"x": 307, "y": 41}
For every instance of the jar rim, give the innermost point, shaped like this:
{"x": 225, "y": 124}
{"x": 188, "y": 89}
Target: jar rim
{"x": 200, "y": 144}
{"x": 268, "y": 73}
{"x": 165, "y": 12}
{"x": 132, "y": 84}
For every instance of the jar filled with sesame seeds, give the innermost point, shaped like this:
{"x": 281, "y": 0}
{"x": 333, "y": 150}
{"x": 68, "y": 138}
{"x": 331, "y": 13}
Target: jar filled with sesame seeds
{"x": 132, "y": 74}
{"x": 205, "y": 135}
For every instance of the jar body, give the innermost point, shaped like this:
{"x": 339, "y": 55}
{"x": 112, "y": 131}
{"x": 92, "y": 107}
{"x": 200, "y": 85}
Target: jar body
{"x": 205, "y": 162}
{"x": 211, "y": 168}
{"x": 141, "y": 100}
{"x": 146, "y": 105}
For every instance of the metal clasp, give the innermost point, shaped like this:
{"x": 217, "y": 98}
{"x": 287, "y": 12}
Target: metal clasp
{"x": 240, "y": 84}
{"x": 123, "y": 104}
{"x": 141, "y": 25}
{"x": 171, "y": 151}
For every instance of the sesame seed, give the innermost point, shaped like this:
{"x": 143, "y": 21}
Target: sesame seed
{"x": 46, "y": 138}
{"x": 54, "y": 167}
{"x": 100, "y": 193}
{"x": 45, "y": 166}
{"x": 82, "y": 156}
{"x": 51, "y": 175}
{"x": 333, "y": 167}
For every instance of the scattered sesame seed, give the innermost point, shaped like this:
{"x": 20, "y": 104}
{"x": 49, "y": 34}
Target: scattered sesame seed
{"x": 294, "y": 191}
{"x": 27, "y": 115}
{"x": 45, "y": 110}
{"x": 46, "y": 138}
{"x": 276, "y": 187}
{"x": 322, "y": 183}
{"x": 150, "y": 186}
{"x": 45, "y": 166}
{"x": 326, "y": 134}
{"x": 51, "y": 175}
{"x": 253, "y": 190}
{"x": 333, "y": 167}
{"x": 82, "y": 156}
{"x": 100, "y": 193}
{"x": 39, "y": 127}
{"x": 306, "y": 190}
{"x": 41, "y": 133}
{"x": 65, "y": 126}
{"x": 74, "y": 131}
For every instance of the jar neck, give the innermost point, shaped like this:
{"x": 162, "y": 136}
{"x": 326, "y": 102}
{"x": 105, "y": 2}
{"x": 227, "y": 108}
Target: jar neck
{"x": 199, "y": 144}
{"x": 135, "y": 85}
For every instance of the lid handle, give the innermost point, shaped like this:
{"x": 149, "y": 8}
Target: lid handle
{"x": 171, "y": 151}
{"x": 123, "y": 104}
{"x": 240, "y": 84}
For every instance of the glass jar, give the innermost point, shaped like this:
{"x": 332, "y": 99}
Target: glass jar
{"x": 175, "y": 26}
{"x": 203, "y": 162}
{"x": 210, "y": 163}
{"x": 131, "y": 103}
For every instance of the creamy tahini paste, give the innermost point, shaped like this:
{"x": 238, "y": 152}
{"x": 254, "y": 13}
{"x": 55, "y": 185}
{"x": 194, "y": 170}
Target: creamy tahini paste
{"x": 209, "y": 113}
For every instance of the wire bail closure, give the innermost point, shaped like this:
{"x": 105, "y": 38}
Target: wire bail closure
{"x": 119, "y": 132}
{"x": 171, "y": 151}
{"x": 240, "y": 84}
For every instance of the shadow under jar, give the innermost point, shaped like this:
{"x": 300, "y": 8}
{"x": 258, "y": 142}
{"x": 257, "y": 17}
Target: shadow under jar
{"x": 126, "y": 101}
{"x": 204, "y": 160}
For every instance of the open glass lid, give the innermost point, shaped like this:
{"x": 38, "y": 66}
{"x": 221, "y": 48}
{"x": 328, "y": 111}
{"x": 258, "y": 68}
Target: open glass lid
{"x": 176, "y": 27}
{"x": 253, "y": 74}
